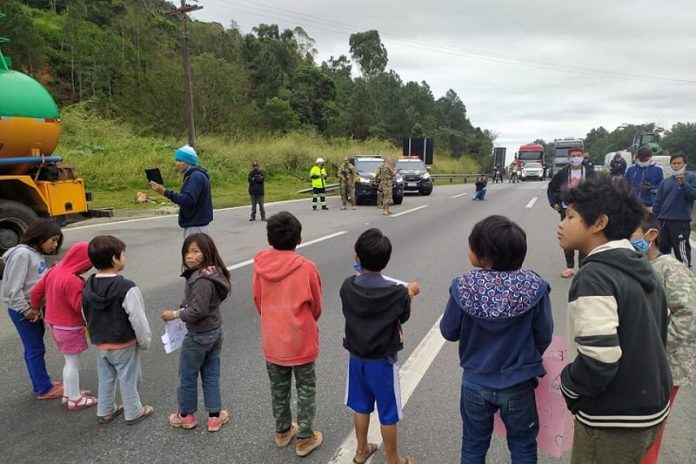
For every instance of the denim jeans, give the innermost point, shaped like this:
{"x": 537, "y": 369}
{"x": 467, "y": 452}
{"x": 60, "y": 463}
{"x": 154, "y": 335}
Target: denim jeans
{"x": 32, "y": 336}
{"x": 517, "y": 410}
{"x": 123, "y": 366}
{"x": 257, "y": 200}
{"x": 200, "y": 352}
{"x": 480, "y": 194}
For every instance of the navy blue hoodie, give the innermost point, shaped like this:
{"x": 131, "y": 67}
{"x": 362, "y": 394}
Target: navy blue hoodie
{"x": 503, "y": 323}
{"x": 194, "y": 200}
{"x": 673, "y": 201}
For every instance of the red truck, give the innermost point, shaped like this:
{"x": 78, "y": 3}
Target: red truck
{"x": 530, "y": 153}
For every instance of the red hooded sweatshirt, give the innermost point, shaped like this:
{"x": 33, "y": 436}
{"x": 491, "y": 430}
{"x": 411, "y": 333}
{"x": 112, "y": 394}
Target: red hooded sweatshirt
{"x": 62, "y": 287}
{"x": 287, "y": 294}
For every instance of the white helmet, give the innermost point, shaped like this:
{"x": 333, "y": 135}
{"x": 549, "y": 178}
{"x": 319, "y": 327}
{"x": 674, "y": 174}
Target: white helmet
{"x": 320, "y": 160}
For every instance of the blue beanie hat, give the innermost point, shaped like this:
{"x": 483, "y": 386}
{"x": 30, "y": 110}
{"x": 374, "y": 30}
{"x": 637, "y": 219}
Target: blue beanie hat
{"x": 187, "y": 155}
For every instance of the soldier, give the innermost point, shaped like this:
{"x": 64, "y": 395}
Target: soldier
{"x": 318, "y": 176}
{"x": 385, "y": 178}
{"x": 347, "y": 176}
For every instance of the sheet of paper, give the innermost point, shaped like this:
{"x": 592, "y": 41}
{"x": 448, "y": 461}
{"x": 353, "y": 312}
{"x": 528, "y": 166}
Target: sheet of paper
{"x": 174, "y": 334}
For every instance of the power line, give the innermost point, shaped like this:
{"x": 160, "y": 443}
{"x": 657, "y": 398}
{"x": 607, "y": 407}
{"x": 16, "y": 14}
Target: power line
{"x": 332, "y": 26}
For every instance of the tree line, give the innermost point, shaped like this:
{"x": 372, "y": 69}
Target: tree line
{"x": 123, "y": 58}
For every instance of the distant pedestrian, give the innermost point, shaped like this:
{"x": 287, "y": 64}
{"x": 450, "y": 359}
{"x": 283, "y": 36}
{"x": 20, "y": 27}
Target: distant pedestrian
{"x": 645, "y": 176}
{"x": 673, "y": 207}
{"x": 375, "y": 310}
{"x": 194, "y": 199}
{"x": 286, "y": 289}
{"x": 568, "y": 177}
{"x": 318, "y": 177}
{"x": 587, "y": 161}
{"x": 385, "y": 180}
{"x": 680, "y": 289}
{"x": 24, "y": 266}
{"x": 497, "y": 174}
{"x": 256, "y": 179}
{"x": 207, "y": 286}
{"x": 617, "y": 166}
{"x": 501, "y": 317}
{"x": 619, "y": 320}
{"x": 347, "y": 175}
{"x": 115, "y": 314}
{"x": 60, "y": 290}
{"x": 480, "y": 186}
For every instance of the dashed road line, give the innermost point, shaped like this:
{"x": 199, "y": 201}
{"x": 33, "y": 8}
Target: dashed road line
{"x": 460, "y": 195}
{"x": 409, "y": 211}
{"x": 531, "y": 202}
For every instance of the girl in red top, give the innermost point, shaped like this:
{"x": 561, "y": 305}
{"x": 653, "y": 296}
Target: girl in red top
{"x": 61, "y": 288}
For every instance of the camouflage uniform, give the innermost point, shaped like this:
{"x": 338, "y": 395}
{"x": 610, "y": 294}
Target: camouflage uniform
{"x": 680, "y": 289}
{"x": 385, "y": 177}
{"x": 347, "y": 176}
{"x": 305, "y": 384}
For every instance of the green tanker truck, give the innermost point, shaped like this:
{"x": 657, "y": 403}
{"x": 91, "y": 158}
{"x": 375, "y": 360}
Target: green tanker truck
{"x": 33, "y": 182}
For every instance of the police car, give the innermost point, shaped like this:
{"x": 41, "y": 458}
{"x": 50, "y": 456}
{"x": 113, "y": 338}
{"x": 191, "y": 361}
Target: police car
{"x": 415, "y": 174}
{"x": 365, "y": 185}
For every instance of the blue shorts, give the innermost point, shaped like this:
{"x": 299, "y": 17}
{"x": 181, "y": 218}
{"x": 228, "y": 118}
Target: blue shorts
{"x": 371, "y": 380}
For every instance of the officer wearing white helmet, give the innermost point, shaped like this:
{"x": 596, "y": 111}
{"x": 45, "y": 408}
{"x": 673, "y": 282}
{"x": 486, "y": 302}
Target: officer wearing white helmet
{"x": 318, "y": 176}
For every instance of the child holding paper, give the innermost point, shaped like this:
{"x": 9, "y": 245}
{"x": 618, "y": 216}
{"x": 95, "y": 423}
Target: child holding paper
{"x": 115, "y": 313}
{"x": 207, "y": 285}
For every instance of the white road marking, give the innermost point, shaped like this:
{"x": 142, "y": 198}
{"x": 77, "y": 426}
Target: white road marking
{"x": 531, "y": 202}
{"x": 410, "y": 375}
{"x": 544, "y": 187}
{"x": 409, "y": 211}
{"x": 460, "y": 195}
{"x": 301, "y": 245}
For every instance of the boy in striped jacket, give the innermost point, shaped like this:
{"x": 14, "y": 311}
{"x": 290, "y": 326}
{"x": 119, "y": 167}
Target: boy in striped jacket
{"x": 618, "y": 382}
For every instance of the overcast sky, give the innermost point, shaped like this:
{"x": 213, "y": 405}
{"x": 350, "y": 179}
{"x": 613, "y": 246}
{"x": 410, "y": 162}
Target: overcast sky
{"x": 525, "y": 70}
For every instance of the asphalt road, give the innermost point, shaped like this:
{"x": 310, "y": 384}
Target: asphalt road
{"x": 430, "y": 243}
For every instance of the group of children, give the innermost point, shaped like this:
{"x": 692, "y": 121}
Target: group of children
{"x": 625, "y": 356}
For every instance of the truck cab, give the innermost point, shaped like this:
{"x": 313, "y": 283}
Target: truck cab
{"x": 530, "y": 153}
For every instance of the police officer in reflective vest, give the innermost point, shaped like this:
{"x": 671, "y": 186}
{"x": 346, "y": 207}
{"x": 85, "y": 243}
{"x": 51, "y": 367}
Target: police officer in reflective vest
{"x": 318, "y": 176}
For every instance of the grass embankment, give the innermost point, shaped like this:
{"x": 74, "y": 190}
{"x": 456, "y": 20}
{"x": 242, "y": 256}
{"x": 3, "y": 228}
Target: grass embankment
{"x": 111, "y": 156}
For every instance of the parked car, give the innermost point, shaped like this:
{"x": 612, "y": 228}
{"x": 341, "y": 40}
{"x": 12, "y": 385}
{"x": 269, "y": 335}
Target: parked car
{"x": 532, "y": 171}
{"x": 366, "y": 187}
{"x": 415, "y": 175}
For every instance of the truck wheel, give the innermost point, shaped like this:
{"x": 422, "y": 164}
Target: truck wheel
{"x": 15, "y": 218}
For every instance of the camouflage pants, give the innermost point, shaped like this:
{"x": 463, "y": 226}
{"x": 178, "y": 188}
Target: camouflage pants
{"x": 387, "y": 199}
{"x": 305, "y": 384}
{"x": 348, "y": 193}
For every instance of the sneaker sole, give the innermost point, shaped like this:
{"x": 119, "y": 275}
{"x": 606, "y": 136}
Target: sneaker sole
{"x": 304, "y": 453}
{"x": 217, "y": 429}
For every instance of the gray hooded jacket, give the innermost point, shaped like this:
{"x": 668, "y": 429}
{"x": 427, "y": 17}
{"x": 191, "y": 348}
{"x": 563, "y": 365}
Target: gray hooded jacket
{"x": 24, "y": 267}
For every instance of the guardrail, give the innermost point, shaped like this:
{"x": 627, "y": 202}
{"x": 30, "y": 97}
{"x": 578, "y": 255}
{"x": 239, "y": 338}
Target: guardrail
{"x": 466, "y": 177}
{"x": 329, "y": 188}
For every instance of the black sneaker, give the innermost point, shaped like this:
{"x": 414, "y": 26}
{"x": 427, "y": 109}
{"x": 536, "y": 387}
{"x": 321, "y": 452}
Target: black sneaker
{"x": 324, "y": 208}
{"x": 252, "y": 219}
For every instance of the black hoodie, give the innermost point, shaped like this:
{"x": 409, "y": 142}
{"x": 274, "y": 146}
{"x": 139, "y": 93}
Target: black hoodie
{"x": 206, "y": 288}
{"x": 373, "y": 318}
{"x": 619, "y": 318}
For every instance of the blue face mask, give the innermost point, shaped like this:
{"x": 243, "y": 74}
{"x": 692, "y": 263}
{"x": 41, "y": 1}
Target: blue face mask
{"x": 641, "y": 244}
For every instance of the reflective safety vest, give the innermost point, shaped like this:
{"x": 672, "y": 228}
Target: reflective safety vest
{"x": 315, "y": 174}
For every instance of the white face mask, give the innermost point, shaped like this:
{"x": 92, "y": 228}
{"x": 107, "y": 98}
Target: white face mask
{"x": 644, "y": 164}
{"x": 576, "y": 161}
{"x": 681, "y": 170}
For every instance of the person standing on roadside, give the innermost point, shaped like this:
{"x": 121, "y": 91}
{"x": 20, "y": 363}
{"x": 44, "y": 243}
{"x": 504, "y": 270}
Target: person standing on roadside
{"x": 195, "y": 199}
{"x": 385, "y": 179}
{"x": 645, "y": 176}
{"x": 617, "y": 167}
{"x": 256, "y": 179}
{"x": 347, "y": 176}
{"x": 673, "y": 206}
{"x": 318, "y": 176}
{"x": 568, "y": 177}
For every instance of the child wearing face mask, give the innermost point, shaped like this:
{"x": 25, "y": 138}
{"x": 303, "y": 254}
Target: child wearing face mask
{"x": 673, "y": 206}
{"x": 569, "y": 177}
{"x": 645, "y": 176}
{"x": 680, "y": 290}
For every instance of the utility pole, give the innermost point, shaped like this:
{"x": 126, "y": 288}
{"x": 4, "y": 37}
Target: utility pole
{"x": 182, "y": 12}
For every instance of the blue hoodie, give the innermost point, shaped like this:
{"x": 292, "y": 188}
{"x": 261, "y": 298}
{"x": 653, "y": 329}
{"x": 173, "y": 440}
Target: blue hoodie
{"x": 651, "y": 175}
{"x": 673, "y": 201}
{"x": 194, "y": 200}
{"x": 503, "y": 323}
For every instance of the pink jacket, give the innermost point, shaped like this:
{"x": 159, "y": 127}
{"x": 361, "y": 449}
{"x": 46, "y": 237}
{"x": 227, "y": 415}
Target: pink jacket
{"x": 61, "y": 288}
{"x": 287, "y": 293}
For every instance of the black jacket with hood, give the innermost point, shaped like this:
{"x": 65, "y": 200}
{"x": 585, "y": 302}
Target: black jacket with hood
{"x": 618, "y": 320}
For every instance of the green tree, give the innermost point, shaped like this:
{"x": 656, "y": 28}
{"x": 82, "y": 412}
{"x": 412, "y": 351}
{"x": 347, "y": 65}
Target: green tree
{"x": 682, "y": 137}
{"x": 278, "y": 116}
{"x": 367, "y": 50}
{"x": 417, "y": 131}
{"x": 312, "y": 96}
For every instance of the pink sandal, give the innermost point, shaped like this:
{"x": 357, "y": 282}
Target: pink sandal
{"x": 83, "y": 403}
{"x": 85, "y": 392}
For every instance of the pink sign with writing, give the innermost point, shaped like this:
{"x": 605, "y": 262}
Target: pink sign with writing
{"x": 555, "y": 421}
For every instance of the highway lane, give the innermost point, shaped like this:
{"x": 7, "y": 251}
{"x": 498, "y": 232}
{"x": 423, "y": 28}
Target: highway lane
{"x": 430, "y": 241}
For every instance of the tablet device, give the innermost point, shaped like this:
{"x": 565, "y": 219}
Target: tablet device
{"x": 154, "y": 175}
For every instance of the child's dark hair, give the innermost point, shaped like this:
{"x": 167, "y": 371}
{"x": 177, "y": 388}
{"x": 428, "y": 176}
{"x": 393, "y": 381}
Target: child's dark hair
{"x": 500, "y": 241}
{"x": 211, "y": 256}
{"x": 103, "y": 249}
{"x": 650, "y": 221}
{"x": 373, "y": 249}
{"x": 644, "y": 153}
{"x": 284, "y": 231}
{"x": 679, "y": 154}
{"x": 603, "y": 194}
{"x": 40, "y": 231}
